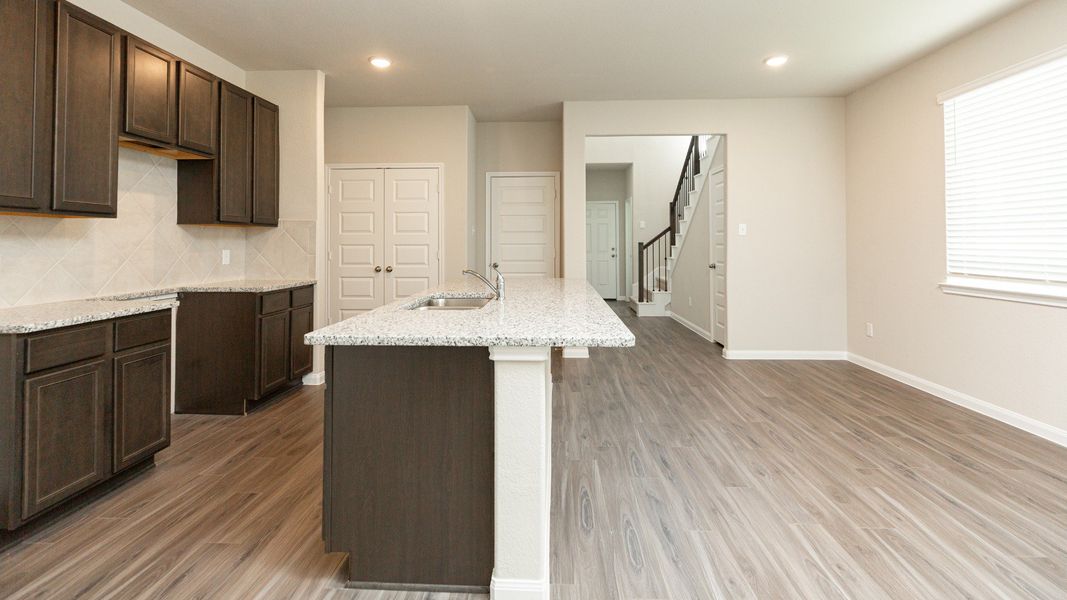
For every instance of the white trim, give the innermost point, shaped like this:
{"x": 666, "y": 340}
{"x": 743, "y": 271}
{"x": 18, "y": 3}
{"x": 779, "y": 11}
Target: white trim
{"x": 556, "y": 209}
{"x": 1044, "y": 294}
{"x": 692, "y": 326}
{"x": 322, "y": 244}
{"x": 576, "y": 352}
{"x": 785, "y": 354}
{"x": 995, "y": 76}
{"x": 519, "y": 353}
{"x": 1019, "y": 421}
{"x": 518, "y": 589}
{"x": 315, "y": 378}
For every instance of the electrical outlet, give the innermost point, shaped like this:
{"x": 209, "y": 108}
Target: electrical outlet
{"x": 870, "y": 329}
{"x": 742, "y": 229}
{"x": 225, "y": 257}
{"x": 690, "y": 301}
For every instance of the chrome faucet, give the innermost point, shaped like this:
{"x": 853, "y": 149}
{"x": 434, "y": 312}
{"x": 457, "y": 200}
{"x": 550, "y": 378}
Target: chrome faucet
{"x": 498, "y": 289}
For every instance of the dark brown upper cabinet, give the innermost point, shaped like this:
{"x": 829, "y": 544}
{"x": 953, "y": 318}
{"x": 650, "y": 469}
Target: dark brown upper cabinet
{"x": 86, "y": 165}
{"x": 264, "y": 163}
{"x": 150, "y": 92}
{"x": 27, "y": 84}
{"x": 198, "y": 109}
{"x": 241, "y": 185}
{"x": 235, "y": 155}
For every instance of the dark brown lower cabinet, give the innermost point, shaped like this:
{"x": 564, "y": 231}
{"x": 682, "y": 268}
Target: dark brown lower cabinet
{"x": 74, "y": 411}
{"x": 236, "y": 350}
{"x": 301, "y": 322}
{"x": 273, "y": 349}
{"x": 142, "y": 404}
{"x": 65, "y": 437}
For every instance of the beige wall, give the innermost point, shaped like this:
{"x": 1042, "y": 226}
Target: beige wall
{"x": 1004, "y": 353}
{"x": 785, "y": 180}
{"x": 691, "y": 279}
{"x": 436, "y": 134}
{"x": 511, "y": 147}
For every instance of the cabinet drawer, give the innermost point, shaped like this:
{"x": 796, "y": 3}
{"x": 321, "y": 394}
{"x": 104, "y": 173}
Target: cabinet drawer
{"x": 303, "y": 296}
{"x": 142, "y": 330}
{"x": 273, "y": 302}
{"x": 65, "y": 346}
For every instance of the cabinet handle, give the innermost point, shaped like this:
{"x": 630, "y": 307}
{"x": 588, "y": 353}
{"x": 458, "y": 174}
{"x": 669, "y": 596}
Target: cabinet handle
{"x": 389, "y": 269}
{"x": 378, "y": 269}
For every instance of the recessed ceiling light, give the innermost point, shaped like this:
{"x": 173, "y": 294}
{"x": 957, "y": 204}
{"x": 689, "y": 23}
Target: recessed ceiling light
{"x": 380, "y": 62}
{"x": 776, "y": 61}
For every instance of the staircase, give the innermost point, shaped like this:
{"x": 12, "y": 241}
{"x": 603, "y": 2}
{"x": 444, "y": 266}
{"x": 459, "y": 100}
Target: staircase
{"x": 657, "y": 257}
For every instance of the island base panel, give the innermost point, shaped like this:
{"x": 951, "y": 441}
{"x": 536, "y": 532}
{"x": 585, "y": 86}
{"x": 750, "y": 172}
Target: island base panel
{"x": 408, "y": 469}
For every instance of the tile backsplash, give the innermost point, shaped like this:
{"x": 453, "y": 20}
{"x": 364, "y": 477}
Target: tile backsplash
{"x": 47, "y": 260}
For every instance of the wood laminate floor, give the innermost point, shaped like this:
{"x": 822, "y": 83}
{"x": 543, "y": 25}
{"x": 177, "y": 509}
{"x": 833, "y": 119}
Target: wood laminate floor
{"x": 677, "y": 474}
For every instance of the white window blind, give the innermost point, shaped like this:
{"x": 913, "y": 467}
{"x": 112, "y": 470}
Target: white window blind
{"x": 1006, "y": 177}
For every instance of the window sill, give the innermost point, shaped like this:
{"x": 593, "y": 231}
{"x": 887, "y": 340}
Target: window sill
{"x": 1013, "y": 291}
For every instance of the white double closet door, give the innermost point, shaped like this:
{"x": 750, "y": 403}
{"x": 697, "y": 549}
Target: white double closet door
{"x": 384, "y": 239}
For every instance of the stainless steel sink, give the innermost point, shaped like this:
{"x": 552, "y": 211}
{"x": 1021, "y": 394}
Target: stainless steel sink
{"x": 451, "y": 304}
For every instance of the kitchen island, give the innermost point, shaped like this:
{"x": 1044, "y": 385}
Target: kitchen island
{"x": 437, "y": 469}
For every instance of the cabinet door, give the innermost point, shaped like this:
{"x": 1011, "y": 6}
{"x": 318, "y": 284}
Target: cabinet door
{"x": 26, "y": 103}
{"x": 300, "y": 323}
{"x": 87, "y": 113}
{"x": 198, "y": 109}
{"x": 151, "y": 92}
{"x": 65, "y": 434}
{"x": 235, "y": 155}
{"x": 273, "y": 352}
{"x": 265, "y": 163}
{"x": 142, "y": 404}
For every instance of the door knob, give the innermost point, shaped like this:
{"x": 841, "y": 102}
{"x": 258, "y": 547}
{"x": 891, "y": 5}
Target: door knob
{"x": 389, "y": 269}
{"x": 712, "y": 266}
{"x": 378, "y": 269}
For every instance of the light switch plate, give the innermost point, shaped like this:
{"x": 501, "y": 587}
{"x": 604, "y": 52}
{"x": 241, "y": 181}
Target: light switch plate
{"x": 742, "y": 229}
{"x": 225, "y": 257}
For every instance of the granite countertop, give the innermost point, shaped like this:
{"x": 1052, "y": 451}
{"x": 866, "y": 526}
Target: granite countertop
{"x": 535, "y": 312}
{"x": 39, "y": 317}
{"x": 256, "y": 286}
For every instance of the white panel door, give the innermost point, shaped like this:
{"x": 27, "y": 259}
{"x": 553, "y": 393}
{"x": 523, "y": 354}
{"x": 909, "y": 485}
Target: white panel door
{"x": 355, "y": 237}
{"x": 718, "y": 256}
{"x": 411, "y": 232}
{"x": 601, "y": 247}
{"x": 522, "y": 235}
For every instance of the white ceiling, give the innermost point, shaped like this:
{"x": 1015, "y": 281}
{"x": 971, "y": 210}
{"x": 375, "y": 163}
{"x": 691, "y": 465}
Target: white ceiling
{"x": 518, "y": 59}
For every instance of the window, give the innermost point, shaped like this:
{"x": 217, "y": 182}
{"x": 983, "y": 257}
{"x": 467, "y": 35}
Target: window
{"x": 1006, "y": 185}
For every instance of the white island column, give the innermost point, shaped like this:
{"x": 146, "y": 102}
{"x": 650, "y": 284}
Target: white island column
{"x": 522, "y": 472}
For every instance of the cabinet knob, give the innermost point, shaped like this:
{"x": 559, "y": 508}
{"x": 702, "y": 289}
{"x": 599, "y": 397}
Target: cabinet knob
{"x": 378, "y": 269}
{"x": 389, "y": 269}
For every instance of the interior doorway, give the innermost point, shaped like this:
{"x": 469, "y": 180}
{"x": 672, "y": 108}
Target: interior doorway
{"x": 383, "y": 235}
{"x": 522, "y": 210}
{"x": 602, "y": 247}
{"x": 672, "y": 197}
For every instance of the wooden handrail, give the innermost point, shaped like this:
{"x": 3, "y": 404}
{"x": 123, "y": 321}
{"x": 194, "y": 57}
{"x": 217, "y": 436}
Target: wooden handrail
{"x": 657, "y": 250}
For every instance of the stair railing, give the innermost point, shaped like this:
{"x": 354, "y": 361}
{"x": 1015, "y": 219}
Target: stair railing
{"x": 652, "y": 253}
{"x": 656, "y": 251}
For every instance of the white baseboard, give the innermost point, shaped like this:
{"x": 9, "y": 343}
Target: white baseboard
{"x": 785, "y": 354}
{"x": 576, "y": 352}
{"x": 691, "y": 326}
{"x": 318, "y": 378}
{"x": 518, "y": 589}
{"x": 1028, "y": 424}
